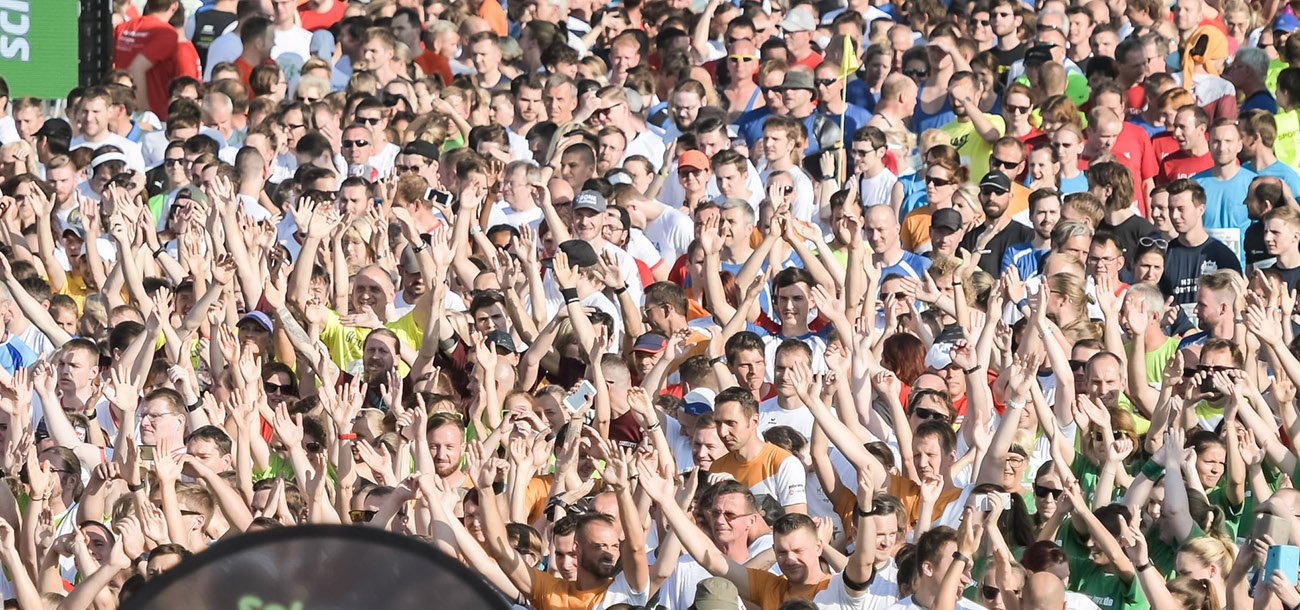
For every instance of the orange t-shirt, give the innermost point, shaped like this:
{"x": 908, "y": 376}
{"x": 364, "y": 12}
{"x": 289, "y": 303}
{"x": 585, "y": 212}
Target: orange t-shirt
{"x": 769, "y": 591}
{"x": 909, "y": 493}
{"x": 555, "y": 594}
{"x": 491, "y": 12}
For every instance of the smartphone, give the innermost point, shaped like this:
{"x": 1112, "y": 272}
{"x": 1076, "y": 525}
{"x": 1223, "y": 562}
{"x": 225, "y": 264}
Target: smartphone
{"x": 146, "y": 452}
{"x": 576, "y": 400}
{"x": 1277, "y": 528}
{"x": 1207, "y": 385}
{"x": 1284, "y": 557}
{"x": 442, "y": 198}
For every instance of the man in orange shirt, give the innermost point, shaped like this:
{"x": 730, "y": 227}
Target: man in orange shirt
{"x": 798, "y": 553}
{"x": 257, "y": 38}
{"x": 766, "y": 469}
{"x": 601, "y": 554}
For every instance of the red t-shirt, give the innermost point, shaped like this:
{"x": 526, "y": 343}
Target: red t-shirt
{"x": 811, "y": 62}
{"x": 1183, "y": 165}
{"x": 1164, "y": 144}
{"x": 157, "y": 41}
{"x": 1133, "y": 150}
{"x": 434, "y": 64}
{"x": 312, "y": 20}
{"x": 187, "y": 61}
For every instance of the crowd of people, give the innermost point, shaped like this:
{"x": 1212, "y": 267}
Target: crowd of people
{"x": 767, "y": 304}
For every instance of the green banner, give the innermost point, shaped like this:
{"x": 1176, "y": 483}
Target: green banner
{"x": 38, "y": 47}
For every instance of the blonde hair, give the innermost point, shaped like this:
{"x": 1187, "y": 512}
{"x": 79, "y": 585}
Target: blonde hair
{"x": 1212, "y": 551}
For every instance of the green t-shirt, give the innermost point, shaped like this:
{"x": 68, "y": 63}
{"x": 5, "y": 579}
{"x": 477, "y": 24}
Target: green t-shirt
{"x": 1102, "y": 586}
{"x": 1086, "y": 472}
{"x": 1231, "y": 514}
{"x": 1164, "y": 553}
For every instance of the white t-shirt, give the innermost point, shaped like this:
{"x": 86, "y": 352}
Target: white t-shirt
{"x": 805, "y": 204}
{"x": 644, "y": 250}
{"x": 8, "y": 130}
{"x": 649, "y": 145}
{"x": 907, "y": 604}
{"x": 130, "y": 150}
{"x": 295, "y": 40}
{"x": 384, "y": 160}
{"x": 877, "y": 190}
{"x": 882, "y": 591}
{"x": 771, "y": 415}
{"x": 503, "y": 214}
{"x": 671, "y": 233}
{"x": 678, "y": 591}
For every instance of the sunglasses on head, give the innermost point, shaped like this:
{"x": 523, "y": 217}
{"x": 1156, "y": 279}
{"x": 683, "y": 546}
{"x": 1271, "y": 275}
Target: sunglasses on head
{"x": 1147, "y": 242}
{"x": 1044, "y": 492}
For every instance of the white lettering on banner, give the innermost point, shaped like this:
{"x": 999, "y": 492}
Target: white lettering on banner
{"x": 13, "y": 40}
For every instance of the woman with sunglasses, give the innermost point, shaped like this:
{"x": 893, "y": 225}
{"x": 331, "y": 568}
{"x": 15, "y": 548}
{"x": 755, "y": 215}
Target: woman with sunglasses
{"x": 1017, "y": 108}
{"x": 944, "y": 175}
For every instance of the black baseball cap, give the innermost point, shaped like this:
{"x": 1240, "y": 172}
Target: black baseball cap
{"x": 428, "y": 150}
{"x": 946, "y": 219}
{"x": 996, "y": 180}
{"x": 55, "y": 128}
{"x": 580, "y": 253}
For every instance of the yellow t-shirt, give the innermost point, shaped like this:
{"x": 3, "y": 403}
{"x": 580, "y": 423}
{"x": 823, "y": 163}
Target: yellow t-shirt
{"x": 346, "y": 343}
{"x": 973, "y": 149}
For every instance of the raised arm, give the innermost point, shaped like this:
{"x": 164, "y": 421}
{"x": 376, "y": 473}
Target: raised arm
{"x": 696, "y": 542}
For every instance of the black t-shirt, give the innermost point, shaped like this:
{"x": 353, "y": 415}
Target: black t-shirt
{"x": 1253, "y": 243}
{"x": 208, "y": 25}
{"x": 1290, "y": 276}
{"x": 991, "y": 256}
{"x": 1129, "y": 233}
{"x": 1006, "y": 58}
{"x": 1185, "y": 264}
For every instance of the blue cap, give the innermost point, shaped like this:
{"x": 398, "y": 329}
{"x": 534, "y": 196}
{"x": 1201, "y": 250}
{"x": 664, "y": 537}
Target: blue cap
{"x": 1286, "y": 22}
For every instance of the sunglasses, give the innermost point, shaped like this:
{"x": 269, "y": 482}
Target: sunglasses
{"x": 898, "y": 296}
{"x": 1077, "y": 365}
{"x": 361, "y": 516}
{"x": 276, "y": 388}
{"x": 1016, "y": 109}
{"x": 313, "y": 447}
{"x": 992, "y": 190}
{"x": 406, "y": 169}
{"x": 369, "y": 121}
{"x": 356, "y": 143}
{"x": 862, "y": 152}
{"x": 1147, "y": 242}
{"x": 1214, "y": 368}
{"x": 737, "y": 59}
{"x": 1044, "y": 492}
{"x": 309, "y": 100}
{"x": 917, "y": 74}
{"x": 826, "y": 82}
{"x": 174, "y": 162}
{"x": 925, "y": 414}
{"x": 936, "y": 181}
{"x": 1004, "y": 164}
{"x": 1098, "y": 437}
{"x": 992, "y": 592}
{"x": 295, "y": 126}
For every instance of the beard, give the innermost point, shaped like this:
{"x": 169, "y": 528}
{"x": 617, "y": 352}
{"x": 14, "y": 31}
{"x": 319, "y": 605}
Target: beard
{"x": 598, "y": 567}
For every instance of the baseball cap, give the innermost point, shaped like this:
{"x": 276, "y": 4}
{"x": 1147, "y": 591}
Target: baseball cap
{"x": 946, "y": 219}
{"x": 651, "y": 343}
{"x": 262, "y": 320}
{"x": 580, "y": 253}
{"x": 590, "y": 200}
{"x": 698, "y": 401}
{"x": 428, "y": 150}
{"x": 693, "y": 159}
{"x": 1286, "y": 22}
{"x": 798, "y": 20}
{"x": 193, "y": 194}
{"x": 501, "y": 340}
{"x": 715, "y": 593}
{"x": 996, "y": 180}
{"x": 938, "y": 357}
{"x": 55, "y": 128}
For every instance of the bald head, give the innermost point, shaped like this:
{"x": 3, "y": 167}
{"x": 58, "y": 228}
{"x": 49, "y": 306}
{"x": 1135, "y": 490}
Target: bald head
{"x": 1043, "y": 591}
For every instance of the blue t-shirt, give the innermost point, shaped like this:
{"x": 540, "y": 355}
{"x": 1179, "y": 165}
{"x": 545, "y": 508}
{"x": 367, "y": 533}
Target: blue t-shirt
{"x": 922, "y": 120}
{"x": 1225, "y": 206}
{"x": 1262, "y": 100}
{"x": 1278, "y": 170}
{"x": 855, "y": 118}
{"x": 750, "y": 124}
{"x": 911, "y": 265}
{"x": 1024, "y": 258}
{"x": 1077, "y": 184}
{"x": 15, "y": 354}
{"x": 913, "y": 193}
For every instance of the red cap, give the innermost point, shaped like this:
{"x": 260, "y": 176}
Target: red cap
{"x": 692, "y": 159}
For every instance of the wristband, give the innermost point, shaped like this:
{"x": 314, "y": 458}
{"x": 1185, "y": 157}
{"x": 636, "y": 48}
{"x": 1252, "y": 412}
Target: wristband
{"x": 350, "y": 436}
{"x": 159, "y": 251}
{"x": 475, "y": 230}
{"x": 1015, "y": 404}
{"x": 972, "y": 370}
{"x": 656, "y": 426}
{"x": 621, "y": 289}
{"x": 859, "y": 513}
{"x": 1022, "y": 303}
{"x": 1145, "y": 566}
{"x": 1153, "y": 470}
{"x": 135, "y": 488}
{"x": 719, "y": 360}
{"x": 570, "y": 295}
{"x": 420, "y": 248}
{"x": 959, "y": 556}
{"x": 91, "y": 414}
{"x": 194, "y": 407}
